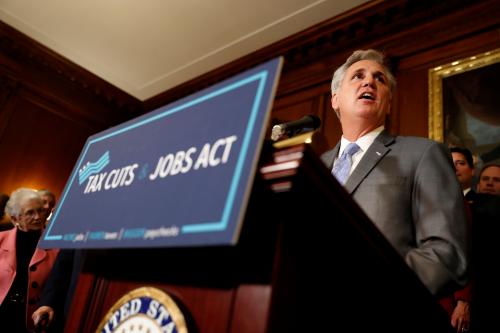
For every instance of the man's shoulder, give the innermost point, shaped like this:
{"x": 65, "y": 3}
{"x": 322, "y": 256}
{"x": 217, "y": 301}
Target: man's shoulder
{"x": 414, "y": 149}
{"x": 415, "y": 144}
{"x": 415, "y": 140}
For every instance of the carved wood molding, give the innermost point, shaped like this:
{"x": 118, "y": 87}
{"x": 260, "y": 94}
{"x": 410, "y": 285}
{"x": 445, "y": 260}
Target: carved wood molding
{"x": 393, "y": 26}
{"x": 398, "y": 27}
{"x": 21, "y": 50}
{"x": 8, "y": 88}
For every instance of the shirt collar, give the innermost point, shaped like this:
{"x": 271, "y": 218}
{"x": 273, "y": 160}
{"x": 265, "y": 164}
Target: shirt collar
{"x": 467, "y": 190}
{"x": 363, "y": 142}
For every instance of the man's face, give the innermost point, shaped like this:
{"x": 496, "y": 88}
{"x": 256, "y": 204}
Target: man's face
{"x": 489, "y": 182}
{"x": 31, "y": 216}
{"x": 462, "y": 169}
{"x": 48, "y": 204}
{"x": 48, "y": 201}
{"x": 364, "y": 93}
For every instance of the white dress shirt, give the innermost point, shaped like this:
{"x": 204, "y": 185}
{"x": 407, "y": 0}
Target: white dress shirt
{"x": 363, "y": 142}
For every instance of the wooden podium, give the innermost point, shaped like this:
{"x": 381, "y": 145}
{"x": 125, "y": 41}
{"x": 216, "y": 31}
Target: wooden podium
{"x": 308, "y": 260}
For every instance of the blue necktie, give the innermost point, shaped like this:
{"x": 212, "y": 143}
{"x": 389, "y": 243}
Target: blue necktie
{"x": 342, "y": 168}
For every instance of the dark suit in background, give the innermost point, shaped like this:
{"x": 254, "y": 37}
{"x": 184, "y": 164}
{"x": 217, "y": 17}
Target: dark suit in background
{"x": 485, "y": 258}
{"x": 61, "y": 285}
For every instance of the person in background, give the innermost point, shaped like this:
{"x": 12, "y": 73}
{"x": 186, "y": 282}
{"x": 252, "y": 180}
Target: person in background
{"x": 459, "y": 303}
{"x": 25, "y": 267}
{"x": 406, "y": 185}
{"x": 489, "y": 179}
{"x": 49, "y": 201}
{"x": 464, "y": 169}
{"x": 57, "y": 295}
{"x": 5, "y": 223}
{"x": 485, "y": 250}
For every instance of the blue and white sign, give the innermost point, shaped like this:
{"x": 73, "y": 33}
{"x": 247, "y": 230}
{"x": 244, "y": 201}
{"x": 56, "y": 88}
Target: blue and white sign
{"x": 178, "y": 176}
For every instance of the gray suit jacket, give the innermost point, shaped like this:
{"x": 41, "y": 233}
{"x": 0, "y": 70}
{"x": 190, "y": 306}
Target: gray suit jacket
{"x": 408, "y": 188}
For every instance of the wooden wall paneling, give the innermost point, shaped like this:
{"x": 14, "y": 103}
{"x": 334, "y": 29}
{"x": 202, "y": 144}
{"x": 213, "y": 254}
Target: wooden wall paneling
{"x": 296, "y": 105}
{"x": 411, "y": 104}
{"x": 449, "y": 29}
{"x": 398, "y": 27}
{"x": 69, "y": 109}
{"x": 8, "y": 89}
{"x": 452, "y": 50}
{"x": 331, "y": 130}
{"x": 412, "y": 74}
{"x": 314, "y": 100}
{"x": 48, "y": 108}
{"x": 69, "y": 100}
{"x": 437, "y": 37}
{"x": 436, "y": 23}
{"x": 297, "y": 50}
{"x": 403, "y": 29}
{"x": 24, "y": 51}
{"x": 38, "y": 147}
{"x": 310, "y": 75}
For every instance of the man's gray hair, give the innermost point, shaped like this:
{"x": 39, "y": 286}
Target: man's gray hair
{"x": 359, "y": 55}
{"x": 18, "y": 198}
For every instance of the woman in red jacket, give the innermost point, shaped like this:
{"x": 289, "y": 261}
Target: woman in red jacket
{"x": 24, "y": 266}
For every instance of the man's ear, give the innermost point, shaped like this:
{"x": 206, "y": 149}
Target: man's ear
{"x": 335, "y": 101}
{"x": 14, "y": 219}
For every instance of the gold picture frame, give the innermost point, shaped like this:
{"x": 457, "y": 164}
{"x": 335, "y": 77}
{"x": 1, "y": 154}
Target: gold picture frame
{"x": 460, "y": 93}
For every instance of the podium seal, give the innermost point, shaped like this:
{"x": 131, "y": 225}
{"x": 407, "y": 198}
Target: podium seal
{"x": 145, "y": 309}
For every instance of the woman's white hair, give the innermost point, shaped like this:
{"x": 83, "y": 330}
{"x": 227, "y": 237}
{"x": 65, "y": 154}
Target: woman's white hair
{"x": 18, "y": 198}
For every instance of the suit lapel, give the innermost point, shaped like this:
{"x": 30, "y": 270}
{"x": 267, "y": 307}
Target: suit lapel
{"x": 8, "y": 248}
{"x": 378, "y": 149}
{"x": 38, "y": 256}
{"x": 330, "y": 156}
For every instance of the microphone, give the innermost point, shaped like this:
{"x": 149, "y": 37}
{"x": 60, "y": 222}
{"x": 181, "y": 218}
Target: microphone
{"x": 291, "y": 128}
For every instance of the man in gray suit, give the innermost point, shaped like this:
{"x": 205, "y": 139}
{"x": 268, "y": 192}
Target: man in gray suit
{"x": 406, "y": 185}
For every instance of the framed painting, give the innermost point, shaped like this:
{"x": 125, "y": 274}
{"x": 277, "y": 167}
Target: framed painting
{"x": 463, "y": 105}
